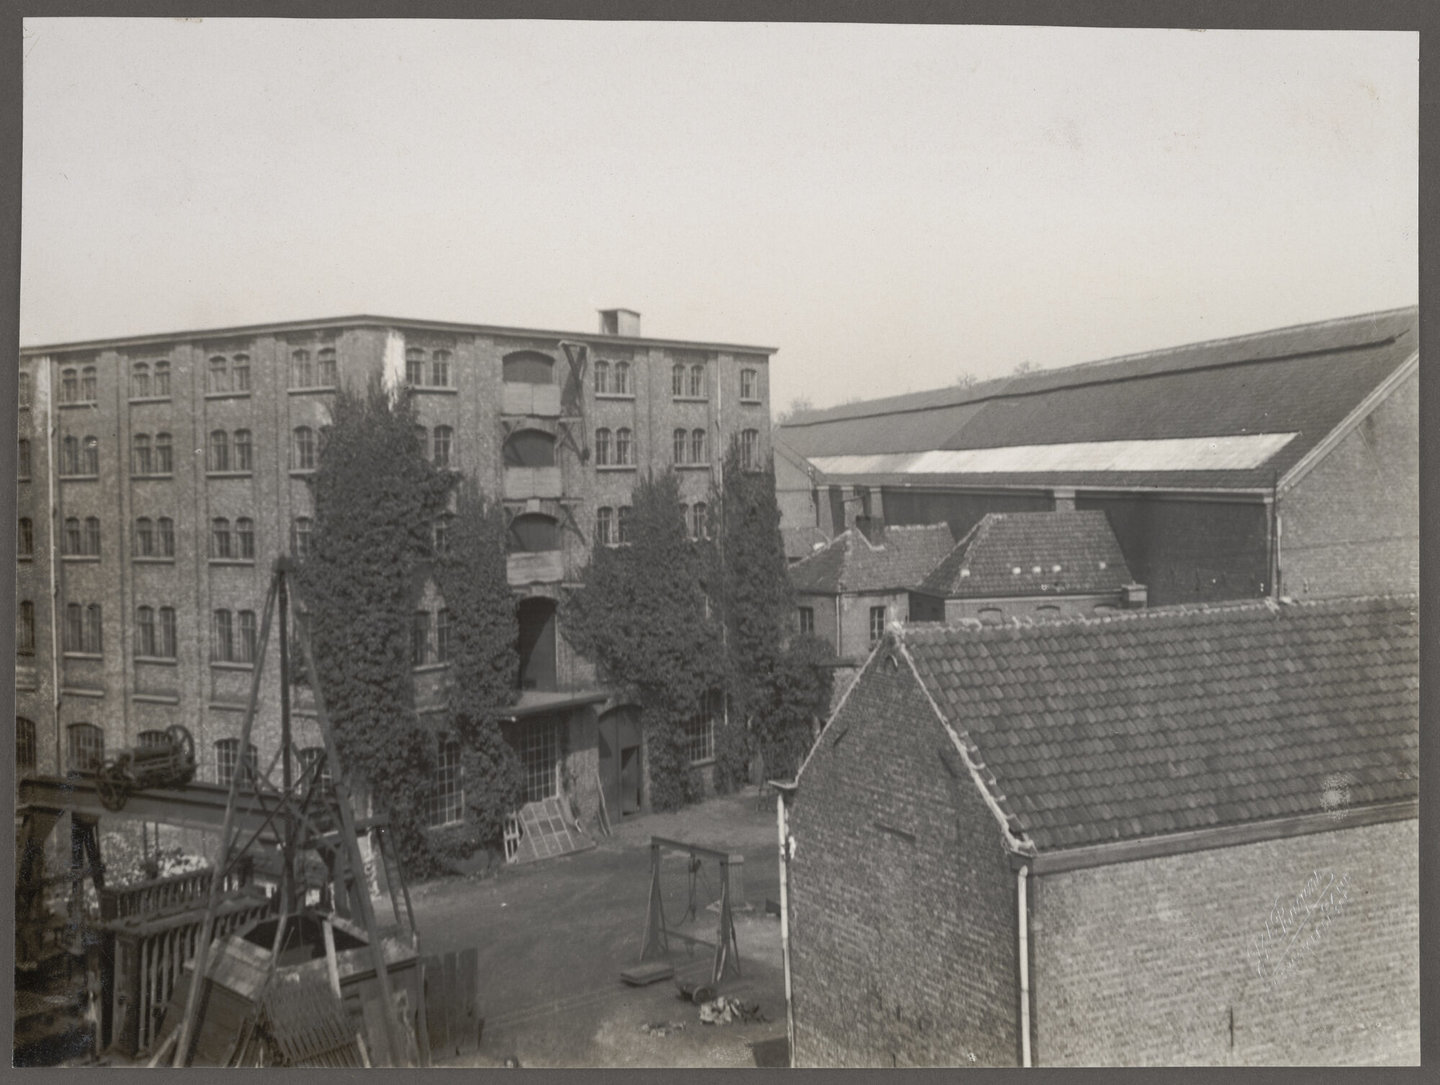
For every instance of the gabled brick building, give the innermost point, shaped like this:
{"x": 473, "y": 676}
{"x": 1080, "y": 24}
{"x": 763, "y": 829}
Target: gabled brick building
{"x": 1041, "y": 564}
{"x": 851, "y": 589}
{"x": 1165, "y": 836}
{"x": 1280, "y": 463}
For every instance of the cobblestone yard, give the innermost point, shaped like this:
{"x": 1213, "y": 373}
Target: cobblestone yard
{"x": 554, "y": 936}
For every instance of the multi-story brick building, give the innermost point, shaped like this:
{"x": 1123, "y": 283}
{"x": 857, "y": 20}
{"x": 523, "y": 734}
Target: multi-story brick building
{"x": 160, "y": 476}
{"x": 1173, "y": 836}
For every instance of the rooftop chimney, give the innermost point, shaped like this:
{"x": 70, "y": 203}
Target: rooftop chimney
{"x": 1133, "y": 596}
{"x": 620, "y": 322}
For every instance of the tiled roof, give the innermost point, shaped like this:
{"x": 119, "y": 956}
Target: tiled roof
{"x": 1302, "y": 381}
{"x": 1162, "y": 721}
{"x": 851, "y": 563}
{"x": 1032, "y": 553}
{"x": 801, "y": 541}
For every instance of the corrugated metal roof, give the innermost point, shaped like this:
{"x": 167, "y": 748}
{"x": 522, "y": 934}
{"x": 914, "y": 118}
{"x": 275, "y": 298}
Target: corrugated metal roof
{"x": 1302, "y": 381}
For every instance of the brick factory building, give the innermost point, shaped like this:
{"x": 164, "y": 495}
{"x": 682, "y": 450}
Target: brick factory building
{"x": 1282, "y": 463}
{"x": 1170, "y": 836}
{"x": 160, "y": 476}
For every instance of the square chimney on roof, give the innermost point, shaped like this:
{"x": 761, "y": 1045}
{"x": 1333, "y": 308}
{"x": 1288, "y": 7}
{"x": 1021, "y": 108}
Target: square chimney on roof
{"x": 619, "y": 322}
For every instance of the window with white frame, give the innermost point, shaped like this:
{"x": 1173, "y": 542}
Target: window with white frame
{"x": 624, "y": 447}
{"x": 540, "y": 760}
{"x": 697, "y": 447}
{"x": 621, "y": 386}
{"x": 25, "y": 538}
{"x": 140, "y": 380}
{"x": 300, "y": 529}
{"x": 699, "y": 525}
{"x": 749, "y": 384}
{"x": 681, "y": 445}
{"x": 807, "y": 619}
{"x": 89, "y": 391}
{"x": 219, "y": 451}
{"x": 750, "y": 449}
{"x": 440, "y": 369}
{"x": 161, "y": 387}
{"x": 83, "y": 629}
{"x": 227, "y": 762}
{"x": 221, "y": 541}
{"x": 25, "y": 628}
{"x": 445, "y": 802}
{"x": 622, "y": 524}
{"x": 700, "y": 731}
{"x": 604, "y": 525}
{"x": 25, "y": 744}
{"x": 142, "y": 459}
{"x": 244, "y": 450}
{"x": 677, "y": 380}
{"x": 441, "y": 439}
{"x": 302, "y": 449}
{"x": 602, "y": 447}
{"x": 697, "y": 381}
{"x": 326, "y": 370}
{"x": 86, "y": 747}
{"x": 164, "y": 454}
{"x": 602, "y": 377}
{"x": 877, "y": 625}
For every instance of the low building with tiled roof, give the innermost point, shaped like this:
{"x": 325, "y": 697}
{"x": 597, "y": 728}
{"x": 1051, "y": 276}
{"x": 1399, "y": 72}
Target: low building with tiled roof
{"x": 1185, "y": 835}
{"x": 1041, "y": 564}
{"x": 801, "y": 542}
{"x": 849, "y": 591}
{"x": 1284, "y": 462}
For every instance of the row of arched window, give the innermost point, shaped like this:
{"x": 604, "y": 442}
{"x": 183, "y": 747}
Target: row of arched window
{"x": 228, "y": 373}
{"x": 155, "y": 632}
{"x": 614, "y": 450}
{"x": 232, "y": 636}
{"x": 82, "y": 631}
{"x": 154, "y": 538}
{"x": 689, "y": 447}
{"x": 150, "y": 380}
{"x": 316, "y": 370}
{"x": 235, "y": 543}
{"x": 81, "y": 539}
{"x": 427, "y": 369}
{"x": 227, "y": 453}
{"x": 437, "y": 444}
{"x": 612, "y": 526}
{"x": 152, "y": 455}
{"x": 612, "y": 378}
{"x": 78, "y": 385}
{"x": 79, "y": 457}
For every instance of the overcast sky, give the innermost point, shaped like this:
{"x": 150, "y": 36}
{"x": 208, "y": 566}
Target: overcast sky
{"x": 891, "y": 207}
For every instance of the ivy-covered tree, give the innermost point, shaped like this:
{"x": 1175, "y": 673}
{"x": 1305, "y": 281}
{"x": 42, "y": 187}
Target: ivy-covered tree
{"x": 471, "y": 575}
{"x": 747, "y": 560}
{"x": 796, "y": 701}
{"x": 640, "y": 615}
{"x": 376, "y": 497}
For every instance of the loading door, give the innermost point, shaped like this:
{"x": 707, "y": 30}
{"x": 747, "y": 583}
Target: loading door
{"x": 620, "y": 760}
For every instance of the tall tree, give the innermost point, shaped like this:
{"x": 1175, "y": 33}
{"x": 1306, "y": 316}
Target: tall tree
{"x": 471, "y": 574}
{"x": 376, "y": 497}
{"x": 640, "y": 615}
{"x": 747, "y": 557}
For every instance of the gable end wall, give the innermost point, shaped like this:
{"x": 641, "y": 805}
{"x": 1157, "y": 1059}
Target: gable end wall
{"x": 902, "y": 951}
{"x": 1352, "y": 525}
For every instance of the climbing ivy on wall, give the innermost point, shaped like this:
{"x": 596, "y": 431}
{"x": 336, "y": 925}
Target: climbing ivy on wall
{"x": 640, "y": 613}
{"x": 376, "y": 497}
{"x": 484, "y": 662}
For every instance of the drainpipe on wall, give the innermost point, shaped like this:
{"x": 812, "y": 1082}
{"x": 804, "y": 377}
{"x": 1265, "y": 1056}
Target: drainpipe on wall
{"x": 838, "y": 649}
{"x": 785, "y": 924}
{"x": 1022, "y": 922}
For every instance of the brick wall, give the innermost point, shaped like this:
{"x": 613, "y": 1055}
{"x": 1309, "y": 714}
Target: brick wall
{"x": 1150, "y": 962}
{"x": 1352, "y": 525}
{"x": 902, "y": 937}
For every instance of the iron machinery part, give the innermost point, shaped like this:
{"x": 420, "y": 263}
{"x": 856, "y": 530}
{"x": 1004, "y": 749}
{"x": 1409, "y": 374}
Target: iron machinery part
{"x": 184, "y": 745}
{"x": 113, "y": 786}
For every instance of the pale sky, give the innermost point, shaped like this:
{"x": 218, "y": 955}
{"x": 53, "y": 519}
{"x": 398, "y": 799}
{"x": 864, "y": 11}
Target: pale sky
{"x": 889, "y": 206}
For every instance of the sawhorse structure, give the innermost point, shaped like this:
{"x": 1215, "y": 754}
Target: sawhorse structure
{"x": 658, "y": 931}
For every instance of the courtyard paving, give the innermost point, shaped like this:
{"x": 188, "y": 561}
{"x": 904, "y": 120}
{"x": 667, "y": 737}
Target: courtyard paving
{"x": 553, "y": 937}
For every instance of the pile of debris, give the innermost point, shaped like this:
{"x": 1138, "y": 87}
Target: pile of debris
{"x": 662, "y": 1028}
{"x": 724, "y": 1010}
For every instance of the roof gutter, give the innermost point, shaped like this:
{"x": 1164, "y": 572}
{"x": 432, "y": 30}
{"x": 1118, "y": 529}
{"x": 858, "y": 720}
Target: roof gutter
{"x": 1155, "y": 847}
